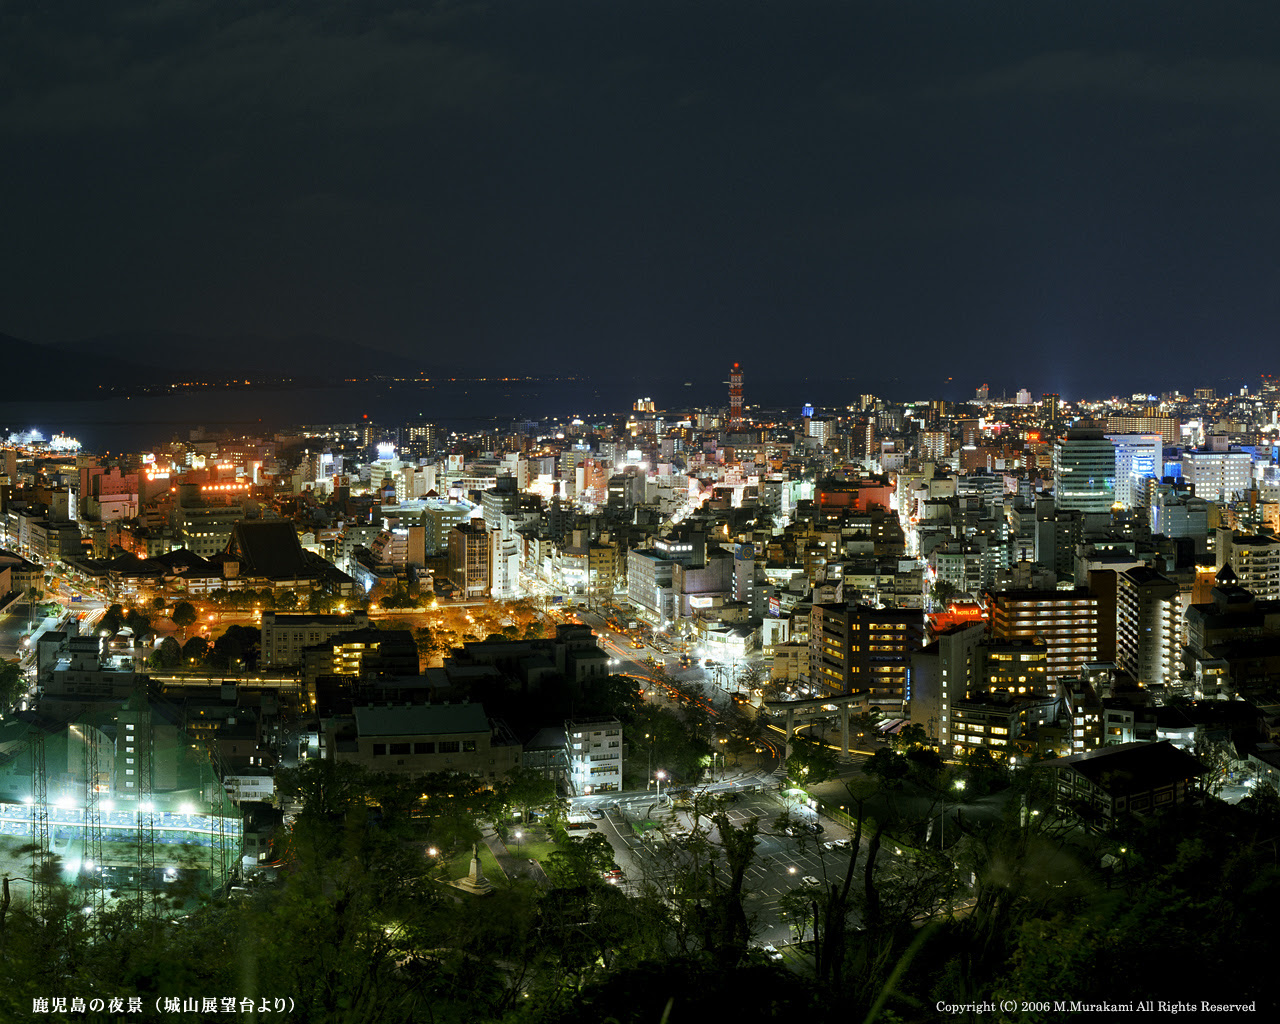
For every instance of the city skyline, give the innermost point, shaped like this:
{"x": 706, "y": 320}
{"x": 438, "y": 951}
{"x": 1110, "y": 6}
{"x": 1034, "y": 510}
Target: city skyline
{"x": 1076, "y": 196}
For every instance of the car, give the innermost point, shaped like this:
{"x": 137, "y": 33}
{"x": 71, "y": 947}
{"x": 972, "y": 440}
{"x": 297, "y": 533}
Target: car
{"x": 814, "y": 826}
{"x": 811, "y": 882}
{"x": 595, "y": 812}
{"x": 836, "y": 844}
{"x": 614, "y": 874}
{"x": 771, "y": 951}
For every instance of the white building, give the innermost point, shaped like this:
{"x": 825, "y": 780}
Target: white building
{"x": 1138, "y": 457}
{"x": 1218, "y": 475}
{"x": 596, "y": 755}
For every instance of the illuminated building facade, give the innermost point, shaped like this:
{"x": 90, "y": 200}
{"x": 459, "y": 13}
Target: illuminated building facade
{"x": 1084, "y": 470}
{"x": 1067, "y": 622}
{"x": 1139, "y": 457}
{"x": 1148, "y": 616}
{"x": 867, "y": 650}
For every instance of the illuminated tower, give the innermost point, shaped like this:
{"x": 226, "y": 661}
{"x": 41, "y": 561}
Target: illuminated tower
{"x": 735, "y": 397}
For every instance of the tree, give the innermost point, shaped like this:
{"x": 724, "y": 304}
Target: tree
{"x": 33, "y": 595}
{"x": 12, "y": 685}
{"x": 320, "y": 603}
{"x": 941, "y": 593}
{"x": 1218, "y": 763}
{"x": 983, "y": 774}
{"x": 112, "y": 620}
{"x": 890, "y": 769}
{"x": 525, "y": 789}
{"x": 167, "y": 655}
{"x": 797, "y": 906}
{"x": 579, "y": 861}
{"x": 453, "y": 803}
{"x": 236, "y": 646}
{"x": 157, "y": 603}
{"x": 752, "y": 675}
{"x": 184, "y": 615}
{"x": 909, "y": 736}
{"x": 397, "y": 596}
{"x": 139, "y": 623}
{"x": 357, "y": 895}
{"x": 195, "y": 650}
{"x": 811, "y": 762}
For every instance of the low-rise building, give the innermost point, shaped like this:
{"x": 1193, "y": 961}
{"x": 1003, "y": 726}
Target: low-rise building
{"x": 596, "y": 755}
{"x": 418, "y": 739}
{"x": 1133, "y": 778}
{"x": 285, "y": 636}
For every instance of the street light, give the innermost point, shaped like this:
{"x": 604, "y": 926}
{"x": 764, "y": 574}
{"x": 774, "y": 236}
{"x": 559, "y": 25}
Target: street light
{"x": 519, "y": 837}
{"x": 958, "y": 786}
{"x": 660, "y": 775}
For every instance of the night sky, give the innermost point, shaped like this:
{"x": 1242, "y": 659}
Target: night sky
{"x": 1054, "y": 195}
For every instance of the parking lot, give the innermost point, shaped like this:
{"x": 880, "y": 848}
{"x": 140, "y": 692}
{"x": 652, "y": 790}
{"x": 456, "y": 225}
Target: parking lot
{"x": 651, "y": 844}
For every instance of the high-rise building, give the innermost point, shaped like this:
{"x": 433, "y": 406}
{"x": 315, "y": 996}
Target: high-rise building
{"x": 1148, "y": 613}
{"x": 823, "y": 430}
{"x": 940, "y": 675}
{"x": 1254, "y": 559}
{"x": 1066, "y": 620}
{"x": 1168, "y": 427}
{"x": 1051, "y": 410}
{"x": 1139, "y": 457}
{"x": 1013, "y": 669}
{"x": 1084, "y": 471}
{"x": 419, "y": 439}
{"x": 935, "y": 445}
{"x": 1218, "y": 475}
{"x": 469, "y": 558}
{"x": 859, "y": 649}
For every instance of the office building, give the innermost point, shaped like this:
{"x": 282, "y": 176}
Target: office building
{"x": 1139, "y": 457}
{"x": 469, "y": 550}
{"x": 1084, "y": 470}
{"x": 1254, "y": 559}
{"x": 1218, "y": 475}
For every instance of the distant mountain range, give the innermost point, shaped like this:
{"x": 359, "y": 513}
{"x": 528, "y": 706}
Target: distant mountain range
{"x": 141, "y": 359}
